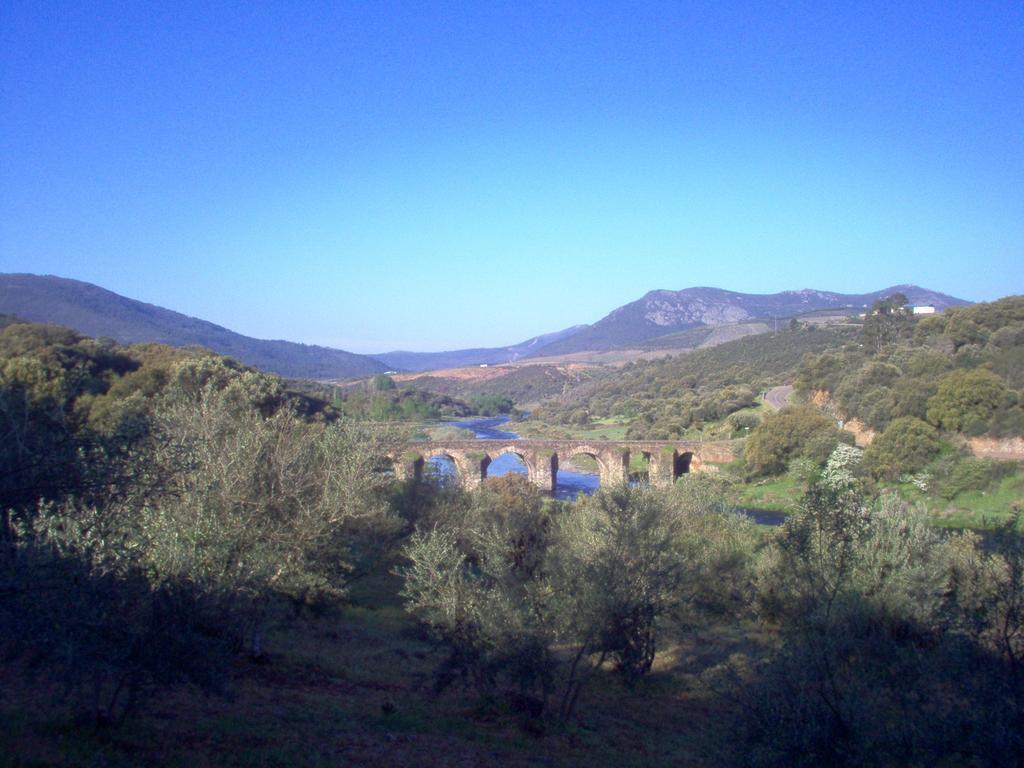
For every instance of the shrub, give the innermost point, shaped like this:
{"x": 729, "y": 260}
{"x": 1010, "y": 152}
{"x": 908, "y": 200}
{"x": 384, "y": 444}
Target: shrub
{"x": 528, "y": 609}
{"x": 906, "y": 446}
{"x": 966, "y": 474}
{"x": 791, "y": 433}
{"x": 966, "y": 400}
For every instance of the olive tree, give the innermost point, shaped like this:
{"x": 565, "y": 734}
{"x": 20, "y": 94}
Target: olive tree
{"x": 986, "y": 605}
{"x": 259, "y": 503}
{"x": 854, "y": 591}
{"x": 535, "y": 603}
{"x": 79, "y": 606}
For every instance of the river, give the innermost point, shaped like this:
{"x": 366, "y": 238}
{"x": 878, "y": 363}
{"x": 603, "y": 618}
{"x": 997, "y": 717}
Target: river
{"x": 569, "y": 484}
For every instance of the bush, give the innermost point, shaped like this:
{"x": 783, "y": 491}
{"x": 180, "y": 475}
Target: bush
{"x": 530, "y": 605}
{"x": 908, "y": 445}
{"x": 854, "y": 591}
{"x": 80, "y": 607}
{"x": 962, "y": 475}
{"x": 792, "y": 433}
{"x": 966, "y": 400}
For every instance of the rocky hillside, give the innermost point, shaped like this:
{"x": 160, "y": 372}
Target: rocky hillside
{"x": 660, "y": 313}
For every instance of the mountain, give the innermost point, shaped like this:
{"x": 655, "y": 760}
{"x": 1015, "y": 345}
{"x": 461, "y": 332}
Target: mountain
{"x": 96, "y": 311}
{"x": 660, "y": 313}
{"x": 432, "y": 361}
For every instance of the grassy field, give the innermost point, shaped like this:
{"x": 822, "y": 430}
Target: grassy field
{"x": 603, "y": 429}
{"x": 971, "y": 509}
{"x": 353, "y": 688}
{"x": 778, "y": 494}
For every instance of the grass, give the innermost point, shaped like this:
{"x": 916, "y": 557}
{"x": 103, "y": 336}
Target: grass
{"x": 982, "y": 509}
{"x": 971, "y": 509}
{"x": 603, "y": 429}
{"x": 353, "y": 687}
{"x": 777, "y": 494}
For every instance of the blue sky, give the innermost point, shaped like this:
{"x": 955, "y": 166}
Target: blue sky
{"x": 429, "y": 175}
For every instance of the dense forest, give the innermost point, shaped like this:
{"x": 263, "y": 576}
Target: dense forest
{"x": 200, "y": 564}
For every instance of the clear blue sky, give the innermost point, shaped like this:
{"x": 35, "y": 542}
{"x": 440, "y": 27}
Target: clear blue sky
{"x": 431, "y": 175}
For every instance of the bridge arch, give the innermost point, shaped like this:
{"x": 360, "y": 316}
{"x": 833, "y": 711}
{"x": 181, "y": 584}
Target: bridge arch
{"x": 666, "y": 460}
{"x": 681, "y": 462}
{"x": 444, "y": 468}
{"x": 612, "y": 461}
{"x": 592, "y": 453}
{"x": 523, "y": 456}
{"x": 642, "y": 464}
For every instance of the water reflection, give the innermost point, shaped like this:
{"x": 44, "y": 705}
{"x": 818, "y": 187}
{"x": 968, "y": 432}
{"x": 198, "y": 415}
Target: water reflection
{"x": 569, "y": 484}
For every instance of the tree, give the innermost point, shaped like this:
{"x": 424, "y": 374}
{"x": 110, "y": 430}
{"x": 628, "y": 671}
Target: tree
{"x": 986, "y": 604}
{"x": 531, "y": 603}
{"x": 79, "y": 604}
{"x": 907, "y": 445}
{"x": 888, "y": 321}
{"x": 855, "y": 591}
{"x": 259, "y": 506}
{"x": 802, "y": 431}
{"x": 966, "y": 400}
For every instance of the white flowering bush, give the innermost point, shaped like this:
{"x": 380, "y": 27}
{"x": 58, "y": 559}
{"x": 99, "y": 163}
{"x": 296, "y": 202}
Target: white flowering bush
{"x": 843, "y": 466}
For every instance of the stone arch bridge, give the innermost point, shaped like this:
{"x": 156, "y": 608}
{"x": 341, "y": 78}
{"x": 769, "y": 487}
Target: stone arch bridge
{"x": 667, "y": 459}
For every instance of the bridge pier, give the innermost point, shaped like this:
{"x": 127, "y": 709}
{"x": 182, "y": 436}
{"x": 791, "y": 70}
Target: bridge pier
{"x": 667, "y": 460}
{"x": 614, "y": 464}
{"x": 542, "y": 470}
{"x": 471, "y": 468}
{"x": 661, "y": 467}
{"x": 408, "y": 467}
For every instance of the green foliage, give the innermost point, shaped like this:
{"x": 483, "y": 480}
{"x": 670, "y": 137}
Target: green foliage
{"x": 79, "y": 604}
{"x": 896, "y": 646}
{"x": 857, "y": 593}
{"x": 908, "y": 445}
{"x": 799, "y": 432}
{"x": 492, "y": 405}
{"x": 826, "y": 370}
{"x": 393, "y": 403}
{"x": 986, "y": 606}
{"x": 958, "y": 372}
{"x": 530, "y": 603}
{"x": 662, "y": 399}
{"x": 966, "y": 401}
{"x": 158, "y": 503}
{"x": 888, "y": 322}
{"x": 619, "y": 554}
{"x": 258, "y": 505}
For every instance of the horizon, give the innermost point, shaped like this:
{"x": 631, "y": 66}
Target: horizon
{"x": 607, "y": 314}
{"x": 377, "y": 180}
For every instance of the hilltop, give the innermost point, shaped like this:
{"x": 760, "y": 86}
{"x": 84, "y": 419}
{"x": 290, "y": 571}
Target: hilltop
{"x": 96, "y": 311}
{"x": 654, "y": 319}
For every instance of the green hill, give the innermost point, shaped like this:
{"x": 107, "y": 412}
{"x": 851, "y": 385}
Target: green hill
{"x": 98, "y": 312}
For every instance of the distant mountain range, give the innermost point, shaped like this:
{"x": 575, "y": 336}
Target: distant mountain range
{"x": 96, "y": 311}
{"x": 659, "y": 320}
{"x": 660, "y": 313}
{"x": 432, "y": 361}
